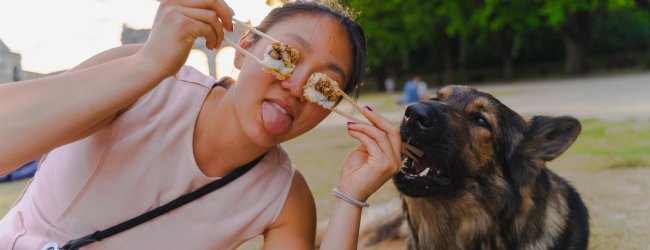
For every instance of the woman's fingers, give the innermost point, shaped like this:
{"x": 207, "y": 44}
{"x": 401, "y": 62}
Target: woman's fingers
{"x": 391, "y": 130}
{"x": 380, "y": 137}
{"x": 369, "y": 144}
{"x": 221, "y": 9}
{"x": 213, "y": 38}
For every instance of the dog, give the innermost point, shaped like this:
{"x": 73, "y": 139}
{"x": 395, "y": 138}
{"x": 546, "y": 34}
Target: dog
{"x": 482, "y": 182}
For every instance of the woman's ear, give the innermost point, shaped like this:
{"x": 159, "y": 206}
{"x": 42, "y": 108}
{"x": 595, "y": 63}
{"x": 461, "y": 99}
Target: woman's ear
{"x": 246, "y": 42}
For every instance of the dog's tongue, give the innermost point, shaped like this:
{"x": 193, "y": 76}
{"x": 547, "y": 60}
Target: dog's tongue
{"x": 275, "y": 122}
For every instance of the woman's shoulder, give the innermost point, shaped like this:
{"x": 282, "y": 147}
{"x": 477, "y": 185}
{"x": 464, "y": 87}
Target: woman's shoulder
{"x": 281, "y": 159}
{"x": 192, "y": 75}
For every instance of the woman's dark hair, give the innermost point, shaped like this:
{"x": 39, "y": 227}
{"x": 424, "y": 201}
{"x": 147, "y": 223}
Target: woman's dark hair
{"x": 342, "y": 15}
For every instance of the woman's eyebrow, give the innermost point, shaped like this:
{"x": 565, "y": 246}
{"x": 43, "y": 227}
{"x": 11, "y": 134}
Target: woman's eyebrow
{"x": 307, "y": 46}
{"x": 302, "y": 42}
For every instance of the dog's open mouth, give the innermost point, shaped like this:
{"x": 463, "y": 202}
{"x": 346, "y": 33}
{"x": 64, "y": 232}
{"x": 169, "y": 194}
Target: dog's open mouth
{"x": 425, "y": 169}
{"x": 422, "y": 178}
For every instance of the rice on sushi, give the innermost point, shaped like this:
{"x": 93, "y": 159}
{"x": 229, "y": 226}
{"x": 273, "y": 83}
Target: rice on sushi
{"x": 322, "y": 90}
{"x": 280, "y": 60}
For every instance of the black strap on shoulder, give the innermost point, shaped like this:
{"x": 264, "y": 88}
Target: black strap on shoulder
{"x": 180, "y": 201}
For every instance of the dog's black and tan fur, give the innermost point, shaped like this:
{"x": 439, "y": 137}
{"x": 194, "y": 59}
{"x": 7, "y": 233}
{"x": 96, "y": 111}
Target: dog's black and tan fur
{"x": 483, "y": 182}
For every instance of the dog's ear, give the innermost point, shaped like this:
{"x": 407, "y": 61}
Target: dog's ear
{"x": 549, "y": 137}
{"x": 545, "y": 139}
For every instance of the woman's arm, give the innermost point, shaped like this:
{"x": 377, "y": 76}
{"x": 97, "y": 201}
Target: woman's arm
{"x": 107, "y": 56}
{"x": 45, "y": 113}
{"x": 365, "y": 170}
{"x": 38, "y": 115}
{"x": 295, "y": 227}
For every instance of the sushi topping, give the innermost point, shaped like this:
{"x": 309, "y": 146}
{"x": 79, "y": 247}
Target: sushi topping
{"x": 322, "y": 90}
{"x": 280, "y": 60}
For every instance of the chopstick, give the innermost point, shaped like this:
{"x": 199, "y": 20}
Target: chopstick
{"x": 408, "y": 154}
{"x": 242, "y": 50}
{"x": 347, "y": 98}
{"x": 406, "y": 149}
{"x": 412, "y": 149}
{"x": 348, "y": 116}
{"x": 254, "y": 30}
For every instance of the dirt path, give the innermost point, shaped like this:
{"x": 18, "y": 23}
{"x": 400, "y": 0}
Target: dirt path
{"x": 613, "y": 97}
{"x": 604, "y": 97}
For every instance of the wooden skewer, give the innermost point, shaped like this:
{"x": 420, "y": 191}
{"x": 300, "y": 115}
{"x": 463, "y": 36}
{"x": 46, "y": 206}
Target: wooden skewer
{"x": 351, "y": 101}
{"x": 409, "y": 154}
{"x": 407, "y": 149}
{"x": 256, "y": 31}
{"x": 412, "y": 149}
{"x": 349, "y": 117}
{"x": 242, "y": 50}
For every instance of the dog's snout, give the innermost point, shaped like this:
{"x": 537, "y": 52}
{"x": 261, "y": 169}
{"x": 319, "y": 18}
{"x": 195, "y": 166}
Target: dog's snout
{"x": 422, "y": 115}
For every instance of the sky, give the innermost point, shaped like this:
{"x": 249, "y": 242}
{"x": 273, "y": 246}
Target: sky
{"x": 57, "y": 35}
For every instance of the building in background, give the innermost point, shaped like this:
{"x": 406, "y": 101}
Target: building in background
{"x": 10, "y": 70}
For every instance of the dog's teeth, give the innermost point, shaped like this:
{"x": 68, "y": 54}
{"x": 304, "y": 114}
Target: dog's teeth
{"x": 425, "y": 172}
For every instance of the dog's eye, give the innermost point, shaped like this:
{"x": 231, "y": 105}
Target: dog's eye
{"x": 481, "y": 121}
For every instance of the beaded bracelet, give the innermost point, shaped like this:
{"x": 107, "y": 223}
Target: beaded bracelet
{"x": 349, "y": 199}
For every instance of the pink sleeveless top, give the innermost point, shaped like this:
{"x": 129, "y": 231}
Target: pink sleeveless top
{"x": 143, "y": 160}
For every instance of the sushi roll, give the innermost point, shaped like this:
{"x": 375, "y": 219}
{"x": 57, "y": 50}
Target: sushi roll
{"x": 322, "y": 90}
{"x": 280, "y": 60}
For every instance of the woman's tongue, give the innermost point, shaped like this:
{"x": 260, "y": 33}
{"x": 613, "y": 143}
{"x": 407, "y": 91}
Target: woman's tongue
{"x": 275, "y": 121}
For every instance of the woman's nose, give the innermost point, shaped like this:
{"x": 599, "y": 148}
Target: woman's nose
{"x": 295, "y": 83}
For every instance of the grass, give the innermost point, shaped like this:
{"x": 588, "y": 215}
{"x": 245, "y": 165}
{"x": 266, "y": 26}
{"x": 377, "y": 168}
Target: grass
{"x": 620, "y": 144}
{"x": 318, "y": 155}
{"x": 9, "y": 192}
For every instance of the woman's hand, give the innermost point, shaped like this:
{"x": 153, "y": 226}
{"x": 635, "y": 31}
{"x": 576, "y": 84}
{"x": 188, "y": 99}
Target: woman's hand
{"x": 177, "y": 24}
{"x": 373, "y": 162}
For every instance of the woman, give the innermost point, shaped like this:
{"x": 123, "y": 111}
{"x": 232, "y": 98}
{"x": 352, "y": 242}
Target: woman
{"x": 145, "y": 130}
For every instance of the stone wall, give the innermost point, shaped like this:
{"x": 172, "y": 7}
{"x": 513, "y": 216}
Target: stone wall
{"x": 10, "y": 69}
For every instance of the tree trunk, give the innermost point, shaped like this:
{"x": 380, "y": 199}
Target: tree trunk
{"x": 462, "y": 60}
{"x": 645, "y": 5}
{"x": 381, "y": 77}
{"x": 576, "y": 33}
{"x": 505, "y": 41}
{"x": 447, "y": 57}
{"x": 406, "y": 60}
{"x": 647, "y": 56}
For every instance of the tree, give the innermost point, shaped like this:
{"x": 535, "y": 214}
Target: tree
{"x": 645, "y": 5}
{"x": 393, "y": 28}
{"x": 508, "y": 22}
{"x": 461, "y": 23}
{"x": 573, "y": 21}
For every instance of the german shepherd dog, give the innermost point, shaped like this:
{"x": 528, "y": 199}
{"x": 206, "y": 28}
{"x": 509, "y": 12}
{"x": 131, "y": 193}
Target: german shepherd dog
{"x": 482, "y": 182}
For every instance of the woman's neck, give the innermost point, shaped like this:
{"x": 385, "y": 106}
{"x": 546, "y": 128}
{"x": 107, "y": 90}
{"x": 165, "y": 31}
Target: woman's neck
{"x": 219, "y": 142}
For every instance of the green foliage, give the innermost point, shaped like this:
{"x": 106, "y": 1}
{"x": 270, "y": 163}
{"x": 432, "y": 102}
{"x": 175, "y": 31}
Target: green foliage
{"x": 392, "y": 27}
{"x": 556, "y": 11}
{"x": 418, "y": 33}
{"x": 622, "y": 29}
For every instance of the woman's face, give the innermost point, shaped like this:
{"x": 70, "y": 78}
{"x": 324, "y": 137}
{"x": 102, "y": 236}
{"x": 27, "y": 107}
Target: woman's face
{"x": 271, "y": 111}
